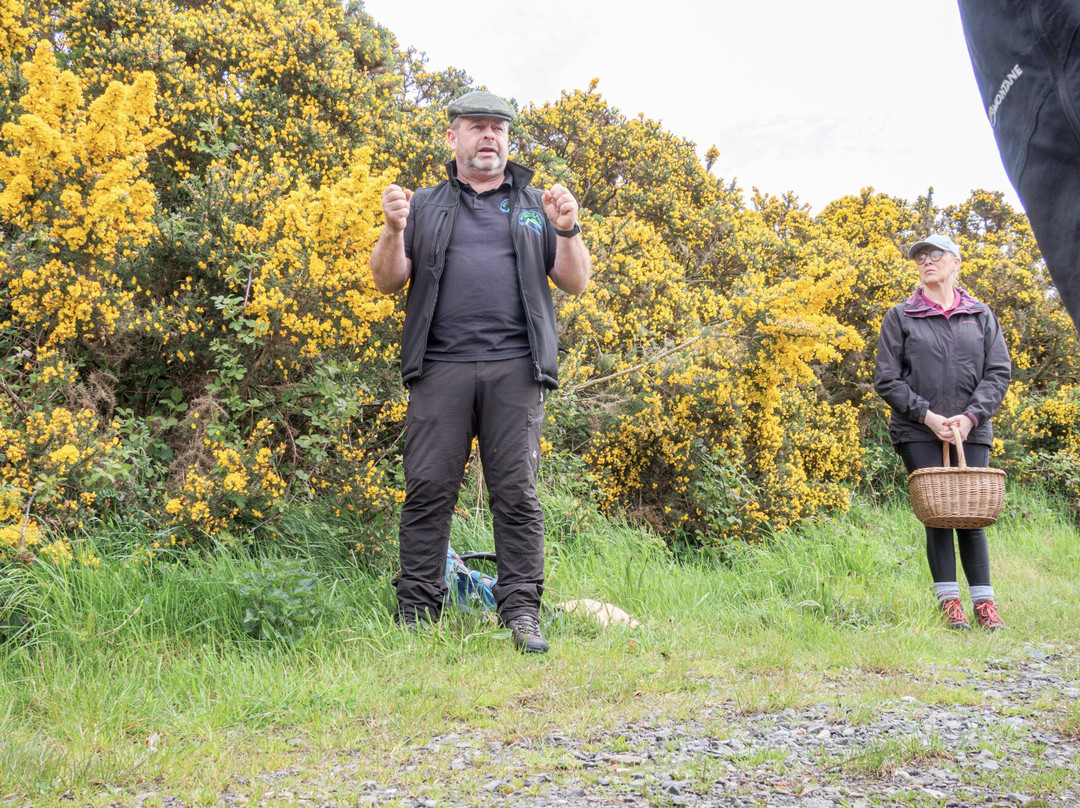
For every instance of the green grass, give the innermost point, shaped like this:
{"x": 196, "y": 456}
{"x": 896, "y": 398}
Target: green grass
{"x": 885, "y": 757}
{"x": 132, "y": 679}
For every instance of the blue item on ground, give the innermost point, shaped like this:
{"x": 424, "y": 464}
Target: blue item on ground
{"x": 466, "y": 588}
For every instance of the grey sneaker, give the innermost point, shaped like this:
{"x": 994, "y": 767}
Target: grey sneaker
{"x": 526, "y": 636}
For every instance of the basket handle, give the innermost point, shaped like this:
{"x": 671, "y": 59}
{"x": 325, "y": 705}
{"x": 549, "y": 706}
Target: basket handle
{"x": 961, "y": 462}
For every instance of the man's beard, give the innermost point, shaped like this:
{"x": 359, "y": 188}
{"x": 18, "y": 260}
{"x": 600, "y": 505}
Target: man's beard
{"x": 486, "y": 164}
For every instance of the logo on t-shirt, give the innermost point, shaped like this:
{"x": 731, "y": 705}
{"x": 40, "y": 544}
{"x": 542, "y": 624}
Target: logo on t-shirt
{"x": 505, "y": 206}
{"x": 531, "y": 219}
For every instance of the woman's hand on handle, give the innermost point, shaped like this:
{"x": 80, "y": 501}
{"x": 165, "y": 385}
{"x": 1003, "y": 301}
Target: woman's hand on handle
{"x": 964, "y": 423}
{"x": 939, "y": 425}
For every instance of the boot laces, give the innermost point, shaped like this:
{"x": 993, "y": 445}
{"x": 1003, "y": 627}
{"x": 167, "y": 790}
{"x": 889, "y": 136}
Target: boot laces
{"x": 526, "y": 624}
{"x": 987, "y": 613}
{"x": 954, "y": 610}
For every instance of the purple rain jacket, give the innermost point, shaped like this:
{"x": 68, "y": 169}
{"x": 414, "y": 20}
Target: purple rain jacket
{"x": 953, "y": 365}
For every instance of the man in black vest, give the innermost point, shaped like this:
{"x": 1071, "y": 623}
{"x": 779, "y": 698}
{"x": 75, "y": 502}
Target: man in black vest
{"x": 478, "y": 350}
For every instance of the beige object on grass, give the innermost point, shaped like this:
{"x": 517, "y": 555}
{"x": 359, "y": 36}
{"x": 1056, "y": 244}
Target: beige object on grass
{"x": 604, "y": 613}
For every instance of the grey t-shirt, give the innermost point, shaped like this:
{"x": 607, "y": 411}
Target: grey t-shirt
{"x": 479, "y": 315}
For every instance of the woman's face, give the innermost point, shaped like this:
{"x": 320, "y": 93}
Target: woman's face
{"x": 936, "y": 271}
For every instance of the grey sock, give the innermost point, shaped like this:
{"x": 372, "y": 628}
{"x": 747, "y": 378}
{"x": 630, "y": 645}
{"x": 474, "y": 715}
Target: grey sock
{"x": 947, "y": 591}
{"x": 981, "y": 593}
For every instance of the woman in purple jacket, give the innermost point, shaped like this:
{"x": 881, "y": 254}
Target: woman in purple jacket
{"x": 942, "y": 360}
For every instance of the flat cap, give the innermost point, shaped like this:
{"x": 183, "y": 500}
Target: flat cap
{"x": 479, "y": 104}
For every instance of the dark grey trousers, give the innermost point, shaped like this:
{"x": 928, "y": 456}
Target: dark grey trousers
{"x": 501, "y": 404}
{"x": 1025, "y": 57}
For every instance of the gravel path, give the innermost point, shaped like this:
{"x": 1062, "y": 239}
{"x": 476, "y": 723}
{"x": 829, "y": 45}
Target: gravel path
{"x": 1009, "y": 742}
{"x": 1009, "y": 736}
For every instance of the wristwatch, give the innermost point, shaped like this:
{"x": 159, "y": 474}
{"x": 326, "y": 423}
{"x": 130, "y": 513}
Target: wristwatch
{"x": 573, "y": 231}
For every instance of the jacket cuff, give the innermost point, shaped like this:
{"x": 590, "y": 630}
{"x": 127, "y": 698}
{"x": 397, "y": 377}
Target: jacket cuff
{"x": 971, "y": 415}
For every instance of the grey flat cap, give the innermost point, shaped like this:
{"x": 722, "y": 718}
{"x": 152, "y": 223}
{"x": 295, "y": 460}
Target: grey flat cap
{"x": 479, "y": 104}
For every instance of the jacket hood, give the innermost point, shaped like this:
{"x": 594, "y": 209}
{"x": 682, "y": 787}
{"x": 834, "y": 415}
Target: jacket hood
{"x": 918, "y": 306}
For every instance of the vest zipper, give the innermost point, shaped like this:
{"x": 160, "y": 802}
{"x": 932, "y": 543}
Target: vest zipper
{"x": 515, "y": 211}
{"x": 438, "y": 260}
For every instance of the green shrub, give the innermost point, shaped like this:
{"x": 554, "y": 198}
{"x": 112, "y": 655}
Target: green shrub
{"x": 283, "y": 601}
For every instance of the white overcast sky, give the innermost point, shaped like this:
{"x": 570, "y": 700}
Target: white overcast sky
{"x": 820, "y": 98}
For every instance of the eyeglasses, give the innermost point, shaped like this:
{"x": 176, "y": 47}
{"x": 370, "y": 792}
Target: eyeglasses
{"x": 929, "y": 255}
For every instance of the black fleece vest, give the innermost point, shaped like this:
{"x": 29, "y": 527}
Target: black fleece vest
{"x": 434, "y": 210}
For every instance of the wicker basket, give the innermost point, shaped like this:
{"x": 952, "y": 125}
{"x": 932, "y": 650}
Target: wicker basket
{"x": 957, "y": 497}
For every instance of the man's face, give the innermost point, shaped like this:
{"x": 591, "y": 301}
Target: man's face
{"x": 481, "y": 145}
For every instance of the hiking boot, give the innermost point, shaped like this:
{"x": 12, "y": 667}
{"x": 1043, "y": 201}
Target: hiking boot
{"x": 411, "y": 623}
{"x": 526, "y": 636}
{"x": 953, "y": 612}
{"x": 986, "y": 615}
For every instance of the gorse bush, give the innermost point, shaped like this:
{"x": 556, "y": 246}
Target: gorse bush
{"x": 190, "y": 340}
{"x": 187, "y": 199}
{"x": 1038, "y": 439}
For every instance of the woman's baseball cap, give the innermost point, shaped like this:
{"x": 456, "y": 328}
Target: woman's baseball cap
{"x": 936, "y": 241}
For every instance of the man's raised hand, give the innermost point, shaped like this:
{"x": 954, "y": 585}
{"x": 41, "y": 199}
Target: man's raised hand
{"x": 395, "y": 205}
{"x": 561, "y": 207}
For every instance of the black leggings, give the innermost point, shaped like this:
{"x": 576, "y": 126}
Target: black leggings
{"x": 974, "y": 554}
